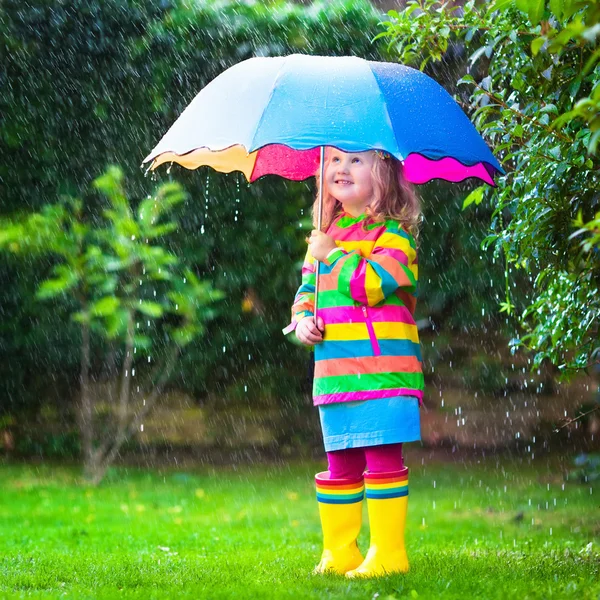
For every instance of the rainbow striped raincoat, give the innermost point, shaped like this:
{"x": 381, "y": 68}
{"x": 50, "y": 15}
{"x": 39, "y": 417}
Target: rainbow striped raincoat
{"x": 367, "y": 299}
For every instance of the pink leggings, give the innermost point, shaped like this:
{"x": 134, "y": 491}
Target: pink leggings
{"x": 351, "y": 463}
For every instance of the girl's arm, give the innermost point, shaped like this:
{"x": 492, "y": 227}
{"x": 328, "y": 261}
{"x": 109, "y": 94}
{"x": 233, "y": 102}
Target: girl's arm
{"x": 391, "y": 265}
{"x": 304, "y": 301}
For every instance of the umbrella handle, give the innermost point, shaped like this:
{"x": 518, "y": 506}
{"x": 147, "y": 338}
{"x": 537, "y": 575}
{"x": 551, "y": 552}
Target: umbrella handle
{"x": 319, "y": 223}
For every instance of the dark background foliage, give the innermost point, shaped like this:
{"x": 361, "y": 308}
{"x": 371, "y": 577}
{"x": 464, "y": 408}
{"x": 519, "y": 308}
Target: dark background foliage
{"x": 84, "y": 85}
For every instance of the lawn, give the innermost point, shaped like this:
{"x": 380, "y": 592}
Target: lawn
{"x": 477, "y": 528}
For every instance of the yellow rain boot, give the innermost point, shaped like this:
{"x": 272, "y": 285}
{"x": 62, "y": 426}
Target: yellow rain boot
{"x": 387, "y": 502}
{"x": 340, "y": 508}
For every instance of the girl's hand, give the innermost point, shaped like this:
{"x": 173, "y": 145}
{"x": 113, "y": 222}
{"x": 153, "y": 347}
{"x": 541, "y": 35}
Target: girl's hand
{"x": 321, "y": 244}
{"x": 308, "y": 333}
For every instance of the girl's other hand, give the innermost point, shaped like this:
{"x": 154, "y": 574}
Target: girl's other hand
{"x": 321, "y": 244}
{"x": 308, "y": 333}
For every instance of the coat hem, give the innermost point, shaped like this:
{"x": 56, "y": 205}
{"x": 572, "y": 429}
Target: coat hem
{"x": 366, "y": 395}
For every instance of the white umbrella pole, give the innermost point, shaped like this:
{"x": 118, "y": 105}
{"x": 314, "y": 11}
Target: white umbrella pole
{"x": 319, "y": 222}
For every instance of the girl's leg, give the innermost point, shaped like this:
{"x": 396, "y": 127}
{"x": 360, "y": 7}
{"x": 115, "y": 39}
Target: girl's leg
{"x": 347, "y": 464}
{"x": 385, "y": 458}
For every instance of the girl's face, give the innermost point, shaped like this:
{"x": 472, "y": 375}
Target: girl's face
{"x": 349, "y": 180}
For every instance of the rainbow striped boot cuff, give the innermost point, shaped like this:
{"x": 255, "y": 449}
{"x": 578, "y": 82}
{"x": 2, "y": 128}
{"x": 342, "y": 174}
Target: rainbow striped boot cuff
{"x": 339, "y": 491}
{"x": 340, "y": 510}
{"x": 381, "y": 486}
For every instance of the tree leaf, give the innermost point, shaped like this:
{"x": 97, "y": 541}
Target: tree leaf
{"x": 501, "y": 5}
{"x": 105, "y": 306}
{"x": 81, "y": 317}
{"x": 523, "y": 5}
{"x": 142, "y": 341}
{"x": 465, "y": 79}
{"x": 182, "y": 336}
{"x": 475, "y": 196}
{"x": 556, "y": 6}
{"x": 476, "y": 55}
{"x": 110, "y": 184}
{"x": 151, "y": 309}
{"x": 536, "y": 45}
{"x": 536, "y": 11}
{"x": 66, "y": 280}
{"x": 116, "y": 323}
{"x": 160, "y": 230}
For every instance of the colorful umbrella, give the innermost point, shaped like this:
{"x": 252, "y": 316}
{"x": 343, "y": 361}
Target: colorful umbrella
{"x": 270, "y": 115}
{"x": 275, "y": 115}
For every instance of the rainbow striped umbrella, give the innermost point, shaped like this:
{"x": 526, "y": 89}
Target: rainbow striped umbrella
{"x": 271, "y": 115}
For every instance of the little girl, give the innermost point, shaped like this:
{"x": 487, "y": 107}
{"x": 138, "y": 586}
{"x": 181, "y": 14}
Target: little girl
{"x": 368, "y": 381}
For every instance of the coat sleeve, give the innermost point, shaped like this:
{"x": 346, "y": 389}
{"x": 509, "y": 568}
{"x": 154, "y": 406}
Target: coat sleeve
{"x": 304, "y": 301}
{"x": 391, "y": 265}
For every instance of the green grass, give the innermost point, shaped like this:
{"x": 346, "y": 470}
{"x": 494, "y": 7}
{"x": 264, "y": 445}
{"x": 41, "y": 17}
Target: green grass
{"x": 476, "y": 529}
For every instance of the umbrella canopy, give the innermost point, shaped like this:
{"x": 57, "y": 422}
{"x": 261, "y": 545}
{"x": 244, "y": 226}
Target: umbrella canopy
{"x": 270, "y": 115}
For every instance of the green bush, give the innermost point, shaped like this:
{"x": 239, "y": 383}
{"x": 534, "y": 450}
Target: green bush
{"x": 532, "y": 86}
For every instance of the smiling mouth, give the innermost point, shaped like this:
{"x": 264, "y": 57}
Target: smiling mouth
{"x": 343, "y": 182}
